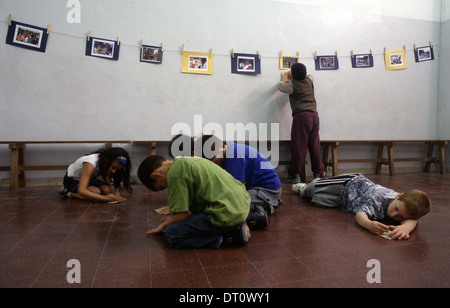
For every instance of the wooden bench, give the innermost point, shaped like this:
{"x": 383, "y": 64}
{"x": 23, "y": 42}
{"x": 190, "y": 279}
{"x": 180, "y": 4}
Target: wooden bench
{"x": 17, "y": 165}
{"x": 331, "y": 147}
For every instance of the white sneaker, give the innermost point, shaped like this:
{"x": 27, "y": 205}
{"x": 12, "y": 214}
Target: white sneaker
{"x": 299, "y": 188}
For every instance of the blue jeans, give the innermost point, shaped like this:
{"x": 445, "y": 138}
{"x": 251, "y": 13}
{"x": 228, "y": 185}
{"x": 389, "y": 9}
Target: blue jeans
{"x": 196, "y": 232}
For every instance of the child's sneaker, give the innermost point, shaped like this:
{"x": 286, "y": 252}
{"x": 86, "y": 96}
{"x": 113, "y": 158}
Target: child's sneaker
{"x": 292, "y": 179}
{"x": 257, "y": 219}
{"x": 300, "y": 189}
{"x": 237, "y": 237}
{"x": 64, "y": 193}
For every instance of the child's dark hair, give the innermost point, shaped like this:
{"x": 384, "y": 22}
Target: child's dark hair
{"x": 298, "y": 71}
{"x": 417, "y": 203}
{"x": 106, "y": 157}
{"x": 147, "y": 167}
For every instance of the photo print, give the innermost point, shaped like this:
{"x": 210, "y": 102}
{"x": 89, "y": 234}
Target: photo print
{"x": 327, "y": 63}
{"x": 27, "y": 36}
{"x": 424, "y": 54}
{"x": 151, "y": 54}
{"x": 242, "y": 63}
{"x": 362, "y": 61}
{"x": 197, "y": 62}
{"x": 395, "y": 60}
{"x": 286, "y": 62}
{"x": 102, "y": 48}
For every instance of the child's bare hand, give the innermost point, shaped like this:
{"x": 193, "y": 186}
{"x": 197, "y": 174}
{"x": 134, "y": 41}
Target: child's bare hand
{"x": 156, "y": 230}
{"x": 164, "y": 211}
{"x": 114, "y": 198}
{"x": 378, "y": 228}
{"x": 286, "y": 76}
{"x": 399, "y": 232}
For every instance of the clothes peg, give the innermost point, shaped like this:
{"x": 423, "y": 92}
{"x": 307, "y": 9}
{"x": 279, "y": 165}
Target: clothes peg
{"x": 48, "y": 28}
{"x": 10, "y": 17}
{"x": 89, "y": 36}
{"x": 118, "y": 40}
{"x": 232, "y": 53}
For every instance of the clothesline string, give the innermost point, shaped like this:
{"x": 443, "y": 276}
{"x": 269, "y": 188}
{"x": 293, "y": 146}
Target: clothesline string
{"x": 312, "y": 56}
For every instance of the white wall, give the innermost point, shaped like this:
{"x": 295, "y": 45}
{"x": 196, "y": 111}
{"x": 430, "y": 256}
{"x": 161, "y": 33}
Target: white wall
{"x": 64, "y": 95}
{"x": 444, "y": 76}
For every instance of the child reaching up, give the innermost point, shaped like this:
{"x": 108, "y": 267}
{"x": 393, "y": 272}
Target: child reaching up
{"x": 90, "y": 177}
{"x": 370, "y": 202}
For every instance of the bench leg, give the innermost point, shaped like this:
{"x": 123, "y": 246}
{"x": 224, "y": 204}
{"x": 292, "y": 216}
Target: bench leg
{"x": 16, "y": 176}
{"x": 334, "y": 158}
{"x": 390, "y": 147}
{"x": 13, "y": 168}
{"x": 442, "y": 156}
{"x": 379, "y": 158}
{"x": 430, "y": 148}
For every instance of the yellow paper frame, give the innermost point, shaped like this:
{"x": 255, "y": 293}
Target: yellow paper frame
{"x": 190, "y": 58}
{"x": 390, "y": 58}
{"x": 282, "y": 61}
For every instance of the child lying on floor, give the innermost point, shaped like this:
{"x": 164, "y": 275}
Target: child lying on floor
{"x": 370, "y": 202}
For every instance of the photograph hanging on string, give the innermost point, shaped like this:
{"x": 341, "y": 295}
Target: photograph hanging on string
{"x": 197, "y": 62}
{"x": 27, "y": 36}
{"x": 425, "y": 53}
{"x": 102, "y": 48}
{"x": 286, "y": 62}
{"x": 327, "y": 63}
{"x": 362, "y": 61}
{"x": 151, "y": 54}
{"x": 242, "y": 63}
{"x": 395, "y": 60}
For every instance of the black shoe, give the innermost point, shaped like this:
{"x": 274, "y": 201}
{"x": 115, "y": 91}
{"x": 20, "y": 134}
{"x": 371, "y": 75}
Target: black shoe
{"x": 237, "y": 237}
{"x": 257, "y": 219}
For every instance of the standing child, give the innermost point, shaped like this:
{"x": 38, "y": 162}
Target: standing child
{"x": 370, "y": 202}
{"x": 90, "y": 177}
{"x": 208, "y": 205}
{"x": 305, "y": 124}
{"x": 248, "y": 166}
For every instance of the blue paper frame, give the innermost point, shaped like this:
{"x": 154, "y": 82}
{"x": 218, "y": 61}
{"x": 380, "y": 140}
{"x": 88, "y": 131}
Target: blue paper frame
{"x": 327, "y": 63}
{"x": 244, "y": 63}
{"x": 362, "y": 61}
{"x": 109, "y": 49}
{"x": 425, "y": 53}
{"x": 29, "y": 41}
{"x": 148, "y": 58}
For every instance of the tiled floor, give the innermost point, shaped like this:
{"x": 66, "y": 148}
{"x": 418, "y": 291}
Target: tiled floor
{"x": 303, "y": 246}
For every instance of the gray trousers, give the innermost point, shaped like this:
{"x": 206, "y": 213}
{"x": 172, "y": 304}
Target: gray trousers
{"x": 323, "y": 196}
{"x": 326, "y": 192}
{"x": 269, "y": 199}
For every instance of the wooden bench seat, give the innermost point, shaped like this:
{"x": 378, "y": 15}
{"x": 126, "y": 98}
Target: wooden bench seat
{"x": 330, "y": 147}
